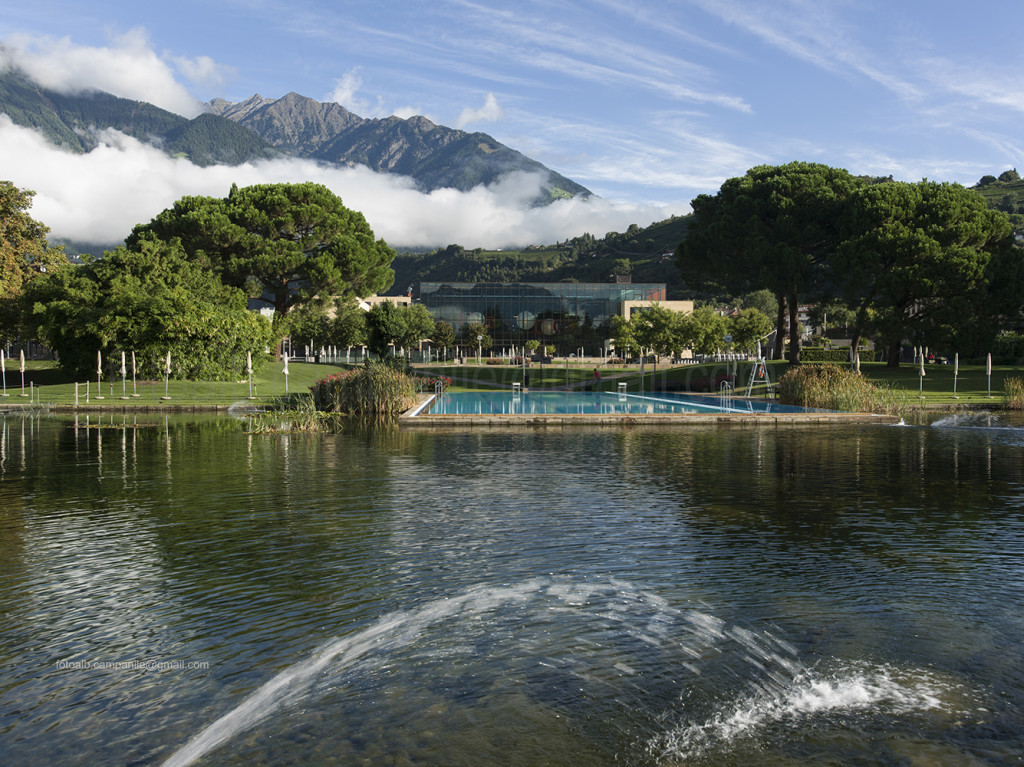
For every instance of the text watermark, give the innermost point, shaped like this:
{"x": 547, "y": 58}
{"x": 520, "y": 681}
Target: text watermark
{"x": 132, "y": 665}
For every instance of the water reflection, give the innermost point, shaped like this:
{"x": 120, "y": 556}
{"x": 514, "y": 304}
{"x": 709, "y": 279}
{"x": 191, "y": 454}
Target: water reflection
{"x": 529, "y": 593}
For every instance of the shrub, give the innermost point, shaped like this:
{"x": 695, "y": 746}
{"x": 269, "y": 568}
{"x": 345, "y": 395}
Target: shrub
{"x": 1009, "y": 348}
{"x": 832, "y": 387}
{"x": 1013, "y": 393}
{"x": 376, "y": 388}
{"x": 842, "y": 354}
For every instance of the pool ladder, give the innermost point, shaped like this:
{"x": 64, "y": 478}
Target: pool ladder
{"x": 725, "y": 394}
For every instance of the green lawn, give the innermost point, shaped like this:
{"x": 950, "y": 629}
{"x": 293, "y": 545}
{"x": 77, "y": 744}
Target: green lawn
{"x": 50, "y": 386}
{"x": 53, "y": 387}
{"x": 972, "y": 384}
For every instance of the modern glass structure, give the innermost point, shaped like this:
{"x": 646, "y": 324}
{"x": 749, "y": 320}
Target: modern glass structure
{"x": 567, "y": 315}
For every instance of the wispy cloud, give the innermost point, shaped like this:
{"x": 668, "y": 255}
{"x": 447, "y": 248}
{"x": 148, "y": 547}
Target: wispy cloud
{"x": 675, "y": 154}
{"x": 905, "y": 167}
{"x": 1005, "y": 146}
{"x": 814, "y": 33}
{"x": 975, "y": 83}
{"x": 593, "y": 53}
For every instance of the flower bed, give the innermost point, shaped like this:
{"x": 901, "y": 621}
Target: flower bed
{"x": 429, "y": 383}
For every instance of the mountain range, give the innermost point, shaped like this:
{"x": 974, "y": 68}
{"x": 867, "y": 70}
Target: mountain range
{"x": 435, "y": 156}
{"x": 258, "y": 128}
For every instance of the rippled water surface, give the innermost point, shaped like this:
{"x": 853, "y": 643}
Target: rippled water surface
{"x": 179, "y": 592}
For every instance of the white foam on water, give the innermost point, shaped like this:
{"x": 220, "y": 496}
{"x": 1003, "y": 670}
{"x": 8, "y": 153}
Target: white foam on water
{"x": 980, "y": 421}
{"x": 855, "y": 688}
{"x": 391, "y": 631}
{"x": 777, "y": 686}
{"x": 401, "y": 629}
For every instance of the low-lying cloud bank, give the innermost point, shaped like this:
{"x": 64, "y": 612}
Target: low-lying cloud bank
{"x": 128, "y": 67}
{"x": 98, "y": 197}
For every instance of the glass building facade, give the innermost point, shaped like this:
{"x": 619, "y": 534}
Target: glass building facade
{"x": 566, "y": 315}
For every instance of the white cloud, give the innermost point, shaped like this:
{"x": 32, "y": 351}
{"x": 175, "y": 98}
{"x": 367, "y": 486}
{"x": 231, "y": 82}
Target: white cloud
{"x": 128, "y": 68}
{"x": 100, "y": 196}
{"x": 204, "y": 71}
{"x": 345, "y": 93}
{"x": 406, "y": 112}
{"x": 491, "y": 111}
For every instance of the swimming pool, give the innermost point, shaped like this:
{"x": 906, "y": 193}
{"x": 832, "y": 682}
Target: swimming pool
{"x": 606, "y": 403}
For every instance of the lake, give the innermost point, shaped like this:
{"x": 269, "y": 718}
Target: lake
{"x": 175, "y": 591}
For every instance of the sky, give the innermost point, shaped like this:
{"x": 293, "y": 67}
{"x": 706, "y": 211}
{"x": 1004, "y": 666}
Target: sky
{"x": 647, "y": 103}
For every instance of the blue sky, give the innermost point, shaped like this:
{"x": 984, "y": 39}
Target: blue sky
{"x": 646, "y": 103}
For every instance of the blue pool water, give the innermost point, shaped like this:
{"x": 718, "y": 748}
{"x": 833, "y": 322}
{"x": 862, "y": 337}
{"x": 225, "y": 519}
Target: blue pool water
{"x": 609, "y": 403}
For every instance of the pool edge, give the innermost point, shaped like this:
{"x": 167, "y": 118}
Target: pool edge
{"x": 430, "y": 421}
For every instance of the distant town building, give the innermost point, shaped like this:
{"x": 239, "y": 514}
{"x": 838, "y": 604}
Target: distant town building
{"x": 571, "y": 316}
{"x": 370, "y": 301}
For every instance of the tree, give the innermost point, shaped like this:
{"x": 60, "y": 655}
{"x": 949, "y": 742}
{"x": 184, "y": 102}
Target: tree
{"x": 348, "y": 328}
{"x": 150, "y": 301}
{"x": 1008, "y": 176}
{"x": 418, "y": 325}
{"x": 773, "y": 228}
{"x": 657, "y": 328}
{"x": 308, "y": 324}
{"x": 444, "y": 335}
{"x": 748, "y": 327}
{"x": 385, "y": 328}
{"x": 831, "y": 314}
{"x": 298, "y": 240}
{"x": 623, "y": 334}
{"x": 926, "y": 262}
{"x": 763, "y": 300}
{"x": 474, "y": 330}
{"x": 704, "y": 330}
{"x": 24, "y": 252}
{"x": 341, "y": 322}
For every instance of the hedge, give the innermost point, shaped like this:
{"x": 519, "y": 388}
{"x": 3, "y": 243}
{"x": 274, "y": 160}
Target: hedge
{"x": 842, "y": 354}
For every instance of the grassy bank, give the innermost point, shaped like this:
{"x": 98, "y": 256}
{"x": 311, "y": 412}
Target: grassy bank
{"x": 971, "y": 383}
{"x": 52, "y": 387}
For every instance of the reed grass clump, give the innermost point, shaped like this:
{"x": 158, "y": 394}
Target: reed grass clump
{"x": 832, "y": 387}
{"x": 375, "y": 389}
{"x": 1013, "y": 393}
{"x": 298, "y": 414}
